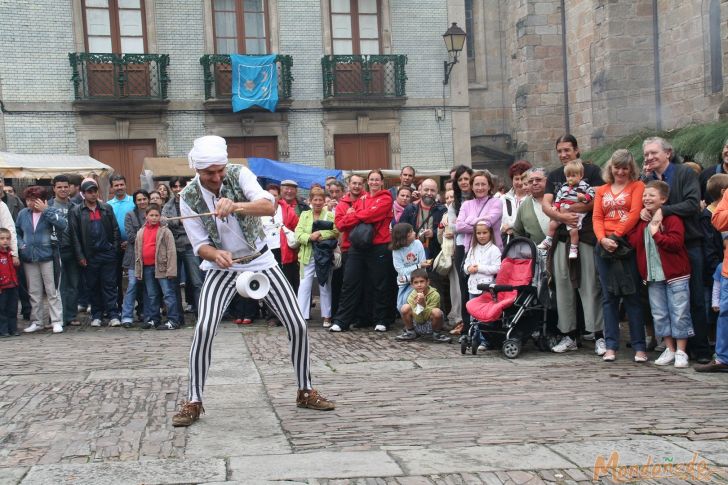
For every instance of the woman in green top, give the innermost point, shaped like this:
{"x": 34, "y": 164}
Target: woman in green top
{"x": 306, "y": 237}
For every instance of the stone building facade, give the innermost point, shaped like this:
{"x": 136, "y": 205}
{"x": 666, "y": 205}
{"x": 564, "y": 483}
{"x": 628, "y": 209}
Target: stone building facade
{"x": 599, "y": 69}
{"x": 50, "y": 105}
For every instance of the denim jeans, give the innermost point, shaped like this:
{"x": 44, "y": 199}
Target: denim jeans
{"x": 101, "y": 283}
{"x": 70, "y": 276}
{"x": 130, "y": 298}
{"x": 9, "y": 311}
{"x": 610, "y": 305}
{"x": 698, "y": 344}
{"x": 153, "y": 299}
{"x": 721, "y": 333}
{"x": 189, "y": 268}
{"x": 670, "y": 305}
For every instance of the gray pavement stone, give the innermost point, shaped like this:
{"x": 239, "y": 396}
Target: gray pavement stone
{"x": 138, "y": 373}
{"x": 631, "y": 452}
{"x": 236, "y": 396}
{"x": 44, "y": 378}
{"x": 323, "y": 464}
{"x": 715, "y": 451}
{"x": 129, "y": 473}
{"x": 478, "y": 459}
{"x": 12, "y": 476}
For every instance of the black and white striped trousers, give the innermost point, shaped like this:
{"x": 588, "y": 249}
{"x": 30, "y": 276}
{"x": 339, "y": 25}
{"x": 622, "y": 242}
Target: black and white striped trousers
{"x": 216, "y": 294}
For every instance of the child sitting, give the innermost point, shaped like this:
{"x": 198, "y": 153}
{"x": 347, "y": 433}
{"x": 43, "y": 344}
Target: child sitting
{"x": 408, "y": 254}
{"x": 156, "y": 263}
{"x": 8, "y": 287}
{"x": 575, "y": 190}
{"x": 421, "y": 314}
{"x": 663, "y": 263}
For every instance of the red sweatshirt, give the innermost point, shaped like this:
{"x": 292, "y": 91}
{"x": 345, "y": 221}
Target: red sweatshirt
{"x": 8, "y": 274}
{"x": 290, "y": 220}
{"x": 373, "y": 209}
{"x": 149, "y": 245}
{"x": 670, "y": 242}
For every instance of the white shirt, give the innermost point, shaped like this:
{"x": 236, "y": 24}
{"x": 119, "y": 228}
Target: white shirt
{"x": 231, "y": 236}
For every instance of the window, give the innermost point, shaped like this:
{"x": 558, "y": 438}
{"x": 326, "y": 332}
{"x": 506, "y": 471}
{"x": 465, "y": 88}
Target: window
{"x": 115, "y": 26}
{"x": 355, "y": 26}
{"x": 240, "y": 26}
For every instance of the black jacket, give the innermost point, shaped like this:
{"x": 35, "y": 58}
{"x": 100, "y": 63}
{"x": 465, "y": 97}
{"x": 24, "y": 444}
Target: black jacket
{"x": 684, "y": 201}
{"x": 15, "y": 205}
{"x": 78, "y": 219}
{"x": 712, "y": 247}
{"x": 437, "y": 211}
{"x": 704, "y": 176}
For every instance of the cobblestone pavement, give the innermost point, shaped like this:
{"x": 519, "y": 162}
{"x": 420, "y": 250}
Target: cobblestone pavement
{"x": 94, "y": 406}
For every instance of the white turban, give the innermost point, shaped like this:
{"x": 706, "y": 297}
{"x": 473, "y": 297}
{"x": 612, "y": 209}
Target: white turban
{"x": 207, "y": 151}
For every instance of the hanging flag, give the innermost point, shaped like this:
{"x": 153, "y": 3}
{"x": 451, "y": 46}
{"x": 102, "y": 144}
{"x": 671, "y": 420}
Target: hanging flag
{"x": 255, "y": 82}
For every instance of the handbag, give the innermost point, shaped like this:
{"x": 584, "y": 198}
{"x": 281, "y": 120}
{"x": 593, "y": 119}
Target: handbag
{"x": 361, "y": 236}
{"x": 291, "y": 238}
{"x": 443, "y": 261}
{"x": 338, "y": 260}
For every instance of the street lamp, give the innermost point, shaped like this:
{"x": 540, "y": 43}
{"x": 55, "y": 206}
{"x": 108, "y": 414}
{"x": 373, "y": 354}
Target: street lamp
{"x": 454, "y": 40}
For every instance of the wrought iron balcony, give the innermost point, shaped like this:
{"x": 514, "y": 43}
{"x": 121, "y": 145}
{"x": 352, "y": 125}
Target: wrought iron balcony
{"x": 119, "y": 77}
{"x": 217, "y": 71}
{"x": 362, "y": 76}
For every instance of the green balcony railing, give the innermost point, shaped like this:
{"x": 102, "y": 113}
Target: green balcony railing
{"x": 361, "y": 75}
{"x": 119, "y": 76}
{"x": 217, "y": 72}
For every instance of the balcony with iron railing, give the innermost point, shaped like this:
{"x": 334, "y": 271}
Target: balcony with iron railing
{"x": 217, "y": 75}
{"x": 102, "y": 81}
{"x": 364, "y": 80}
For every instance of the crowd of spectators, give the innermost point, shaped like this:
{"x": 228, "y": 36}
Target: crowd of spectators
{"x": 643, "y": 245}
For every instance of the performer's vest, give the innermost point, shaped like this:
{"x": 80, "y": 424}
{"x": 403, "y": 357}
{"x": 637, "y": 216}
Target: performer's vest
{"x": 250, "y": 225}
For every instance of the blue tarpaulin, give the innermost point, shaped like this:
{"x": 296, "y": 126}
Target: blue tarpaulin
{"x": 255, "y": 81}
{"x": 304, "y": 175}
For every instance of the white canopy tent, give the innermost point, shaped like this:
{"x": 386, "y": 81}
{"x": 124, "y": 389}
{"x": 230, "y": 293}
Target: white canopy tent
{"x": 38, "y": 166}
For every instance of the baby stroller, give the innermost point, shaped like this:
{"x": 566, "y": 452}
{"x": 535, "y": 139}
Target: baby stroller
{"x": 513, "y": 309}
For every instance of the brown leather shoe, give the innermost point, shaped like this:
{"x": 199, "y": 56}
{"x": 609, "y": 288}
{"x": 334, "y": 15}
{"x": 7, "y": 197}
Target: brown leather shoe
{"x": 457, "y": 330}
{"x": 311, "y": 399}
{"x": 188, "y": 414}
{"x": 713, "y": 366}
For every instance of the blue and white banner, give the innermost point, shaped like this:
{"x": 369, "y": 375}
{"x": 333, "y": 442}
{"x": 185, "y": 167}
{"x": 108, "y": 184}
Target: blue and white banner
{"x": 255, "y": 82}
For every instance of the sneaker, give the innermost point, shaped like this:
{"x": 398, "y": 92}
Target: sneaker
{"x": 81, "y": 308}
{"x": 712, "y": 366}
{"x": 335, "y": 328}
{"x": 545, "y": 244}
{"x": 168, "y": 325}
{"x": 573, "y": 252}
{"x": 114, "y": 322}
{"x": 88, "y": 309}
{"x": 96, "y": 322}
{"x": 380, "y": 328}
{"x": 681, "y": 360}
{"x": 57, "y": 328}
{"x": 666, "y": 358}
{"x": 311, "y": 399}
{"x": 482, "y": 347}
{"x": 34, "y": 327}
{"x": 565, "y": 345}
{"x": 327, "y": 323}
{"x": 588, "y": 336}
{"x": 127, "y": 324}
{"x": 406, "y": 335}
{"x": 600, "y": 347}
{"x": 149, "y": 325}
{"x": 441, "y": 338}
{"x": 188, "y": 414}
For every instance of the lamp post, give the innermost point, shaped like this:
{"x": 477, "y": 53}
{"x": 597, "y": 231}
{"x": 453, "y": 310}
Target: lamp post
{"x": 454, "y": 40}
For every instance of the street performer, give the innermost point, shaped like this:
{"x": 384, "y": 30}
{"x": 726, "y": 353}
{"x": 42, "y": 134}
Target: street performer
{"x": 229, "y": 242}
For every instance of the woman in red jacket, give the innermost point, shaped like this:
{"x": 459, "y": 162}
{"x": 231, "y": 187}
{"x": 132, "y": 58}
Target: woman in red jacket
{"x": 375, "y": 262}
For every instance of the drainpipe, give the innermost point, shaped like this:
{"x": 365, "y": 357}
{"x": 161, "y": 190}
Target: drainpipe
{"x": 656, "y": 56}
{"x": 565, "y": 66}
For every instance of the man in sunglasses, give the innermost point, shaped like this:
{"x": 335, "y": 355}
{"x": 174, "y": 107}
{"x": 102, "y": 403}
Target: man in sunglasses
{"x": 96, "y": 240}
